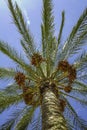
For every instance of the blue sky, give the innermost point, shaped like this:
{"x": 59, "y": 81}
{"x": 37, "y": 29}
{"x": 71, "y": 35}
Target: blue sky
{"x": 32, "y": 12}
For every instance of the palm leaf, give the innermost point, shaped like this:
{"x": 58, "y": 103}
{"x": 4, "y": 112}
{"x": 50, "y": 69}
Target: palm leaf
{"x": 69, "y": 124}
{"x": 81, "y": 91}
{"x": 47, "y": 32}
{"x": 22, "y": 26}
{"x": 77, "y": 122}
{"x": 26, "y": 49}
{"x": 77, "y": 38}
{"x": 58, "y": 43}
{"x": 81, "y": 61}
{"x": 7, "y": 73}
{"x": 12, "y": 54}
{"x": 79, "y": 87}
{"x": 37, "y": 122}
{"x": 12, "y": 119}
{"x": 25, "y": 119}
{"x": 61, "y": 27}
{"x": 7, "y": 100}
{"x": 48, "y": 21}
{"x": 83, "y": 102}
{"x": 80, "y": 84}
{"x": 27, "y": 37}
{"x": 10, "y": 89}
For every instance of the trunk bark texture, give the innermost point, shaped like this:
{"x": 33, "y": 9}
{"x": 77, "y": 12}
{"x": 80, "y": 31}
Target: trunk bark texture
{"x": 52, "y": 118}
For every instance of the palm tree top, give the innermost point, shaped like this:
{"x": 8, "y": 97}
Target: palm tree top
{"x": 48, "y": 68}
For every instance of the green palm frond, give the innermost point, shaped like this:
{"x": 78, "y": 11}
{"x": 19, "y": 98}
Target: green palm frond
{"x": 7, "y": 100}
{"x": 79, "y": 84}
{"x": 69, "y": 124}
{"x": 56, "y": 49}
{"x": 7, "y": 73}
{"x": 26, "y": 49}
{"x": 77, "y": 38}
{"x": 82, "y": 77}
{"x": 79, "y": 91}
{"x": 11, "y": 53}
{"x": 10, "y": 89}
{"x": 61, "y": 27}
{"x": 11, "y": 8}
{"x": 43, "y": 41}
{"x": 27, "y": 37}
{"x": 32, "y": 74}
{"x": 79, "y": 87}
{"x": 25, "y": 119}
{"x": 81, "y": 101}
{"x": 47, "y": 32}
{"x": 76, "y": 121}
{"x": 48, "y": 22}
{"x": 22, "y": 26}
{"x": 12, "y": 119}
{"x": 37, "y": 123}
{"x": 81, "y": 61}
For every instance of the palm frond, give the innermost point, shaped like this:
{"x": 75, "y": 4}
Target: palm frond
{"x": 12, "y": 119}
{"x": 77, "y": 38}
{"x": 48, "y": 21}
{"x": 79, "y": 84}
{"x": 43, "y": 40}
{"x": 58, "y": 43}
{"x": 7, "y": 73}
{"x": 80, "y": 91}
{"x": 36, "y": 123}
{"x": 10, "y": 89}
{"x": 25, "y": 119}
{"x": 81, "y": 61}
{"x": 27, "y": 37}
{"x": 61, "y": 27}
{"x": 47, "y": 32}
{"x": 22, "y": 26}
{"x": 82, "y": 75}
{"x": 69, "y": 123}
{"x": 26, "y": 49}
{"x": 76, "y": 121}
{"x": 79, "y": 87}
{"x": 81, "y": 101}
{"x": 11, "y": 8}
{"x": 12, "y": 54}
{"x": 7, "y": 100}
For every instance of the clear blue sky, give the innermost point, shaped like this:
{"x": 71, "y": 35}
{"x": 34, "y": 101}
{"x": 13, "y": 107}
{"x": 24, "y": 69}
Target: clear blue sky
{"x": 32, "y": 10}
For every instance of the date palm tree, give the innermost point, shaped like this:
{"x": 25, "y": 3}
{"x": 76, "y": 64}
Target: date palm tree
{"x": 47, "y": 80}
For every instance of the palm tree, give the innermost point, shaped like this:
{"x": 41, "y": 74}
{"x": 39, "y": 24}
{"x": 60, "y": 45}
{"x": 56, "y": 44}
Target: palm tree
{"x": 48, "y": 80}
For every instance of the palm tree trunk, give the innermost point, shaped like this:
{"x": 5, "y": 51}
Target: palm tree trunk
{"x": 52, "y": 118}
